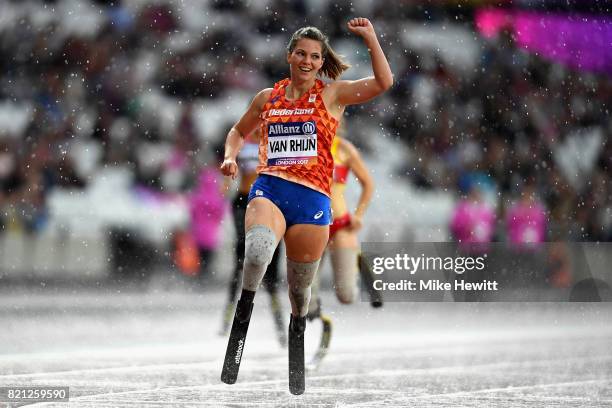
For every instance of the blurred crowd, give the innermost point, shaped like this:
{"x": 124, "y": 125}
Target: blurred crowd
{"x": 87, "y": 85}
{"x": 518, "y": 126}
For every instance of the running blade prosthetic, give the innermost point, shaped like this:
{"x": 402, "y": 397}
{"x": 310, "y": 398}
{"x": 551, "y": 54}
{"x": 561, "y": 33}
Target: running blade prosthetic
{"x": 297, "y": 325}
{"x": 235, "y": 345}
{"x": 323, "y": 345}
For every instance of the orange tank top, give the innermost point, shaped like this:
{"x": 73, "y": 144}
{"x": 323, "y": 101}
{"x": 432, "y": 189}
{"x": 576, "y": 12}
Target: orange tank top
{"x": 297, "y": 137}
{"x": 341, "y": 170}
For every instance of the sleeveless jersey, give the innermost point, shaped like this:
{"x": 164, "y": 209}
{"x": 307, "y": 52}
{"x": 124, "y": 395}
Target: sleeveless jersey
{"x": 297, "y": 137}
{"x": 341, "y": 170}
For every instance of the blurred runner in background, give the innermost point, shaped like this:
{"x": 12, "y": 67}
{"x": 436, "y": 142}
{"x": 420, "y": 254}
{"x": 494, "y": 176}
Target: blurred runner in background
{"x": 343, "y": 247}
{"x": 248, "y": 159}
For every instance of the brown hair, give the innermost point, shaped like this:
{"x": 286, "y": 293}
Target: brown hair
{"x": 333, "y": 65}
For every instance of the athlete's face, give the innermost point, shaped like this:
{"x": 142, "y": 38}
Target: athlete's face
{"x": 306, "y": 59}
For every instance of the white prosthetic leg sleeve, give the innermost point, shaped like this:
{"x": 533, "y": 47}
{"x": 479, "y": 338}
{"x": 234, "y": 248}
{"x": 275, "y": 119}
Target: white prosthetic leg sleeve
{"x": 260, "y": 243}
{"x": 345, "y": 267}
{"x": 299, "y": 278}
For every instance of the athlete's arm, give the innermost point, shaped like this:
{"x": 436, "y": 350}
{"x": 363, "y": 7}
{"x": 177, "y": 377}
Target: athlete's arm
{"x": 362, "y": 90}
{"x": 235, "y": 137}
{"x": 255, "y": 135}
{"x": 358, "y": 167}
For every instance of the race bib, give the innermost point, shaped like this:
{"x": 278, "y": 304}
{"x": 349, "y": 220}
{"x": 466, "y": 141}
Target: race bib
{"x": 292, "y": 143}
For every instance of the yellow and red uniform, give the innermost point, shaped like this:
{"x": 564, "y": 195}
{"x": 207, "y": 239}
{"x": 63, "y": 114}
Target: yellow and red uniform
{"x": 341, "y": 170}
{"x": 340, "y": 176}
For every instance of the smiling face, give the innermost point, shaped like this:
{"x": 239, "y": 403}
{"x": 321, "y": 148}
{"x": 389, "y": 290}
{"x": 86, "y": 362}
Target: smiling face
{"x": 305, "y": 60}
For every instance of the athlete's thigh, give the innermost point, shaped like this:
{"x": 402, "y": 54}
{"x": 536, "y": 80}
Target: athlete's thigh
{"x": 344, "y": 238}
{"x": 262, "y": 211}
{"x": 306, "y": 242}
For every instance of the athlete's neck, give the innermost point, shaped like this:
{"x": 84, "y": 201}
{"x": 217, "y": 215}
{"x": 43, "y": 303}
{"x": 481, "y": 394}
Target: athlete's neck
{"x": 296, "y": 89}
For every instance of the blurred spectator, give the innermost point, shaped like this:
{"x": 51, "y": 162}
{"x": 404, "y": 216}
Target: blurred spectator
{"x": 525, "y": 227}
{"x": 8, "y": 166}
{"x": 25, "y": 181}
{"x": 207, "y": 207}
{"x": 526, "y": 219}
{"x": 472, "y": 226}
{"x": 473, "y": 220}
{"x": 140, "y": 81}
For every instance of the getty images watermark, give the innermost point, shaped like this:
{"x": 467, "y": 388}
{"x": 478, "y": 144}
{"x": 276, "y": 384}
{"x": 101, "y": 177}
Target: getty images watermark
{"x": 412, "y": 265}
{"x": 487, "y": 272}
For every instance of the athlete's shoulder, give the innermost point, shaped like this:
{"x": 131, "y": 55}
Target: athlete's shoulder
{"x": 283, "y": 82}
{"x": 347, "y": 147}
{"x": 333, "y": 86}
{"x": 351, "y": 153}
{"x": 262, "y": 97}
{"x": 264, "y": 93}
{"x": 330, "y": 93}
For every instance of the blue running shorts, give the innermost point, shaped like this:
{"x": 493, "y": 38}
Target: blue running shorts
{"x": 299, "y": 204}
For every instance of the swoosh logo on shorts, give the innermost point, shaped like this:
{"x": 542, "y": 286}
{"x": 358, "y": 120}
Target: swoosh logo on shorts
{"x": 318, "y": 215}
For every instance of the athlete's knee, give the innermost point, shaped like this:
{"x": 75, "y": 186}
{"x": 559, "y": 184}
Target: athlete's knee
{"x": 259, "y": 246}
{"x": 301, "y": 274}
{"x": 346, "y": 296}
{"x": 344, "y": 262}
